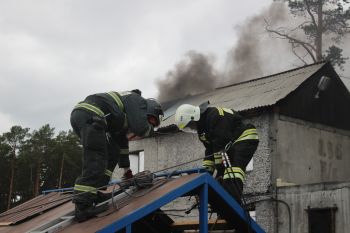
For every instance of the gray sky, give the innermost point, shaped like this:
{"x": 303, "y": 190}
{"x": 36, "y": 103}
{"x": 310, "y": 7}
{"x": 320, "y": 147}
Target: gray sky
{"x": 55, "y": 53}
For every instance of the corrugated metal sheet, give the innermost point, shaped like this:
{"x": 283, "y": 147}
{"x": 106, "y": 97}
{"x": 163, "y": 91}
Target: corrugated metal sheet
{"x": 39, "y": 220}
{"x": 252, "y": 94}
{"x": 33, "y": 207}
{"x": 126, "y": 206}
{"x": 148, "y": 197}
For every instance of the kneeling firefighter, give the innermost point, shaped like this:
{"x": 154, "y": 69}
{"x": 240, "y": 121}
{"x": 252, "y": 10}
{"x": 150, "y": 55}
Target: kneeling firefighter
{"x": 222, "y": 130}
{"x": 103, "y": 122}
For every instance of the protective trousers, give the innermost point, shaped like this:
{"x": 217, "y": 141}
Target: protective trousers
{"x": 91, "y": 130}
{"x": 239, "y": 155}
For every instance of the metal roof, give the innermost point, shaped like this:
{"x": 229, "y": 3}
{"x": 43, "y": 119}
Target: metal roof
{"x": 262, "y": 92}
{"x": 146, "y": 201}
{"x": 32, "y": 208}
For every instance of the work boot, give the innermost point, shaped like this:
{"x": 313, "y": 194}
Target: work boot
{"x": 83, "y": 213}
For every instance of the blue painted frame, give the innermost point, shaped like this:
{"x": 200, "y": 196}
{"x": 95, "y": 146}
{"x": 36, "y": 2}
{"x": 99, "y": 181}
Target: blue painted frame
{"x": 117, "y": 181}
{"x": 57, "y": 190}
{"x": 230, "y": 201}
{"x": 203, "y": 209}
{"x": 179, "y": 172}
{"x": 203, "y": 181}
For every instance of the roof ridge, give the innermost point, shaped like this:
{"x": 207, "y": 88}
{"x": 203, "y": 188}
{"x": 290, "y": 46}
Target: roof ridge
{"x": 271, "y": 75}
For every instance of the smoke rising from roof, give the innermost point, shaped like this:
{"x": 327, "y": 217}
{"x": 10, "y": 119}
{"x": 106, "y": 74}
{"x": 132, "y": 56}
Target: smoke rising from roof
{"x": 246, "y": 59}
{"x": 195, "y": 74}
{"x": 256, "y": 54}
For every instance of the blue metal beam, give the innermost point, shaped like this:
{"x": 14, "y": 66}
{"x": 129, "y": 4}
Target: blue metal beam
{"x": 57, "y": 190}
{"x": 128, "y": 228}
{"x": 230, "y": 201}
{"x": 204, "y": 181}
{"x": 203, "y": 209}
{"x": 179, "y": 172}
{"x": 151, "y": 207}
{"x": 117, "y": 181}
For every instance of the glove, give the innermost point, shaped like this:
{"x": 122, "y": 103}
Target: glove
{"x": 127, "y": 174}
{"x": 209, "y": 166}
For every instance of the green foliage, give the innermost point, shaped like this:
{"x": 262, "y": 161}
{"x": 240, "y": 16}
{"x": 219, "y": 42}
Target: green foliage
{"x": 334, "y": 54}
{"x": 14, "y": 140}
{"x": 5, "y": 151}
{"x": 321, "y": 18}
{"x": 66, "y": 156}
{"x": 38, "y": 162}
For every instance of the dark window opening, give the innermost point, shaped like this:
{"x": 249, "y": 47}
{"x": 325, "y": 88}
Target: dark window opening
{"x": 321, "y": 220}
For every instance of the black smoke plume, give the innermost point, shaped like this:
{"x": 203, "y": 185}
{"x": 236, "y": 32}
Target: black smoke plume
{"x": 195, "y": 74}
{"x": 256, "y": 54}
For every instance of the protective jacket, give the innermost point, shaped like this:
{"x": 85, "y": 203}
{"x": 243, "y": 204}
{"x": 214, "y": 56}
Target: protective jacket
{"x": 219, "y": 126}
{"x": 122, "y": 111}
{"x": 102, "y": 122}
{"x": 216, "y": 128}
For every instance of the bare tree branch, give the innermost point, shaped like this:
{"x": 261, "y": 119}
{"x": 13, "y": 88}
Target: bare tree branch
{"x": 307, "y": 46}
{"x": 300, "y": 26}
{"x": 310, "y": 13}
{"x": 297, "y": 55}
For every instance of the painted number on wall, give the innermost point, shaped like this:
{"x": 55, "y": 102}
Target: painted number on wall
{"x": 329, "y": 153}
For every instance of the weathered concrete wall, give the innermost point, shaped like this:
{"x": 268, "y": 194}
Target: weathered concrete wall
{"x": 259, "y": 179}
{"x": 288, "y": 149}
{"x": 299, "y": 198}
{"x": 169, "y": 150}
{"x": 309, "y": 153}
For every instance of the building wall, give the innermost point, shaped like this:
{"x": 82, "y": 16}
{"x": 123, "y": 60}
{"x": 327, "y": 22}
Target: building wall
{"x": 168, "y": 150}
{"x": 310, "y": 153}
{"x": 259, "y": 179}
{"x": 299, "y": 198}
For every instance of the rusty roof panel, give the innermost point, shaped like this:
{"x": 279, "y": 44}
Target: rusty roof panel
{"x": 251, "y": 94}
{"x": 137, "y": 200}
{"x": 33, "y": 207}
{"x": 39, "y": 220}
{"x": 145, "y": 198}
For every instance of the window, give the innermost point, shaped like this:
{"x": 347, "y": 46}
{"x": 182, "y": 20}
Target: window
{"x": 321, "y": 220}
{"x": 137, "y": 161}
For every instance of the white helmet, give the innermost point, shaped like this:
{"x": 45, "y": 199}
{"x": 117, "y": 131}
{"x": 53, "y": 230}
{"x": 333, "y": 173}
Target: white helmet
{"x": 186, "y": 113}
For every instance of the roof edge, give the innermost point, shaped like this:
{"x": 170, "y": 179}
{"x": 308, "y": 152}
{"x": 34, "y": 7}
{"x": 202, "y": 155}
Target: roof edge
{"x": 271, "y": 75}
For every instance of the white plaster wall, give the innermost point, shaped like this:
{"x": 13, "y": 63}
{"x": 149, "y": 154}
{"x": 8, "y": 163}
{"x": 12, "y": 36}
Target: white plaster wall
{"x": 299, "y": 198}
{"x": 311, "y": 154}
{"x": 168, "y": 150}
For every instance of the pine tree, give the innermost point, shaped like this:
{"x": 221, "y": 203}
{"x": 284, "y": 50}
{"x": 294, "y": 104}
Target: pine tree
{"x": 322, "y": 18}
{"x": 14, "y": 139}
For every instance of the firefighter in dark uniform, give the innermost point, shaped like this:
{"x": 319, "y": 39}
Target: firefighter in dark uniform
{"x": 103, "y": 122}
{"x": 222, "y": 130}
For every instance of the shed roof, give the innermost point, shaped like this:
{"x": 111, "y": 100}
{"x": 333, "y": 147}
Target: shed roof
{"x": 252, "y": 94}
{"x": 32, "y": 208}
{"x": 141, "y": 204}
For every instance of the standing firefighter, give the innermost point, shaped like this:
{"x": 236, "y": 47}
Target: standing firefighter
{"x": 104, "y": 122}
{"x": 222, "y": 129}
